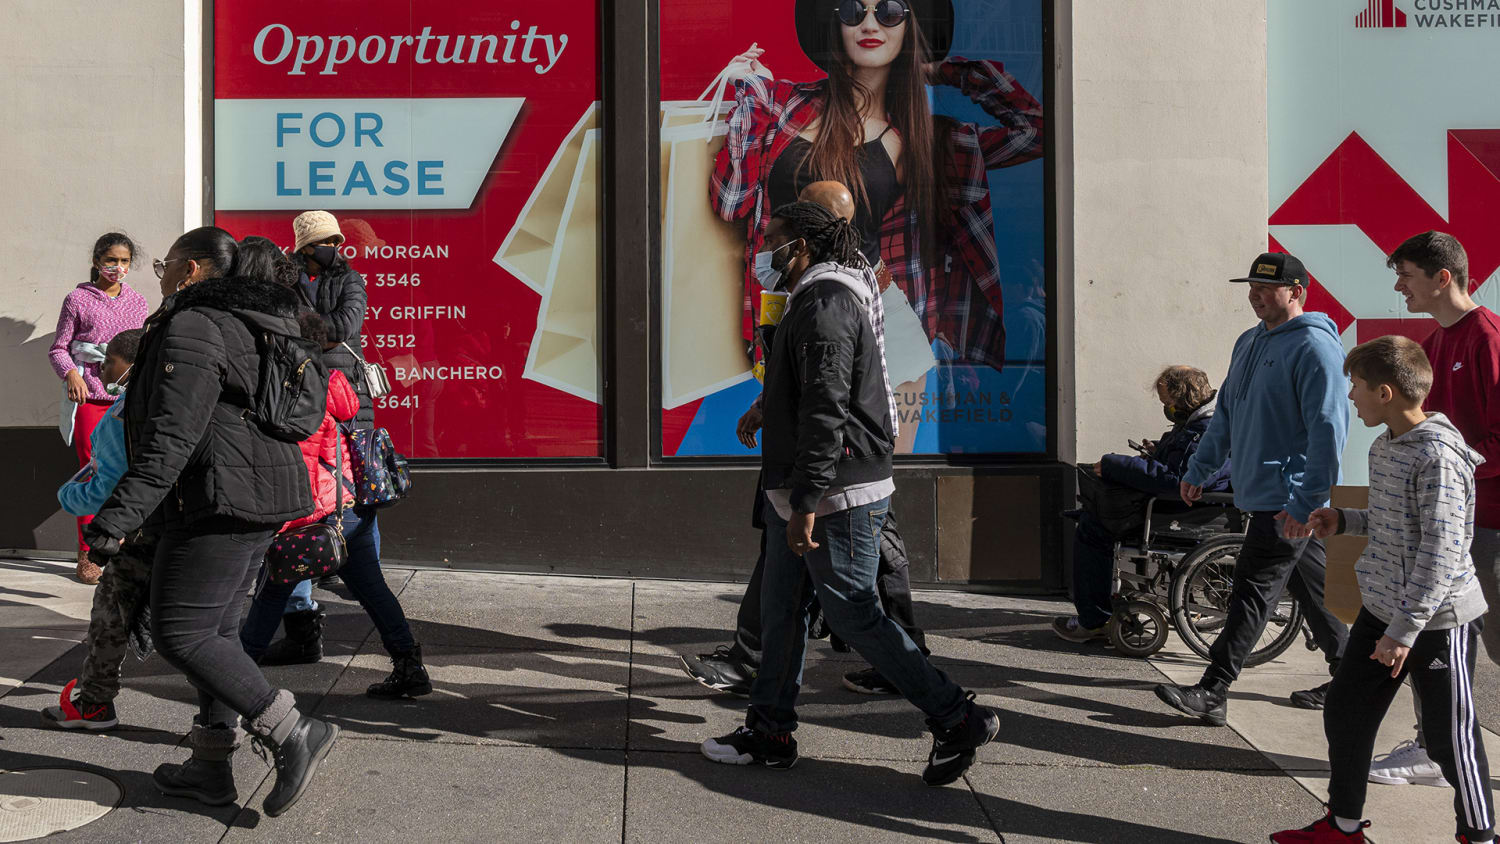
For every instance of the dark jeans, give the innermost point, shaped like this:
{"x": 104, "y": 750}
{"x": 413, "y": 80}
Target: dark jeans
{"x": 361, "y": 573}
{"x": 893, "y": 580}
{"x": 1093, "y": 571}
{"x": 1441, "y": 663}
{"x": 1268, "y": 565}
{"x": 199, "y": 581}
{"x": 843, "y": 573}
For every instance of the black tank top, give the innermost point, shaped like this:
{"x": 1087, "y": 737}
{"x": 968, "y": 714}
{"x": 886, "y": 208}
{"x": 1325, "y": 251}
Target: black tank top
{"x": 789, "y": 178}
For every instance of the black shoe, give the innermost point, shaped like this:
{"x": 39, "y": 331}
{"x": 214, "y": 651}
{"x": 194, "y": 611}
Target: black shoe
{"x": 869, "y": 682}
{"x": 1195, "y": 700}
{"x": 1311, "y": 698}
{"x": 953, "y": 748}
{"x": 303, "y": 643}
{"x": 211, "y": 783}
{"x": 752, "y": 747}
{"x": 408, "y": 677}
{"x": 721, "y": 672}
{"x": 296, "y": 761}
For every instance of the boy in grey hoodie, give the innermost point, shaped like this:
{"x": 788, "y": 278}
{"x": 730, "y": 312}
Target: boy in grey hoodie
{"x": 1421, "y": 596}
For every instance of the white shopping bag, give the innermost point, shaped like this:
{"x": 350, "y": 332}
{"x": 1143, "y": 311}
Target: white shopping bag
{"x": 703, "y": 257}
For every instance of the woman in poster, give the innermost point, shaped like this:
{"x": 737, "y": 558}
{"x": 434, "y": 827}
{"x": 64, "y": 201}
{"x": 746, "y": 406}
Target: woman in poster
{"x": 919, "y": 180}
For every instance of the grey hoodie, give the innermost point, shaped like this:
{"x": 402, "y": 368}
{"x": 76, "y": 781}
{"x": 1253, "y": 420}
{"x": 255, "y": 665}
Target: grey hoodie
{"x": 1416, "y": 573}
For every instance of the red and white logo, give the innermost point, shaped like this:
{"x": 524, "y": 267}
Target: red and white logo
{"x": 1381, "y": 14}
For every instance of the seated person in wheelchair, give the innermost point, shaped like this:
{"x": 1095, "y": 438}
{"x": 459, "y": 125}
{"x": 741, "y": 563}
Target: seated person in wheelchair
{"x": 1127, "y": 480}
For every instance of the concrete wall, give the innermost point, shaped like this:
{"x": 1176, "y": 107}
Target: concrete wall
{"x": 95, "y": 139}
{"x": 1169, "y": 161}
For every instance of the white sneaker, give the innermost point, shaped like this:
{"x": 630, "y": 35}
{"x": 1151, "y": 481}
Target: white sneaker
{"x": 1407, "y": 764}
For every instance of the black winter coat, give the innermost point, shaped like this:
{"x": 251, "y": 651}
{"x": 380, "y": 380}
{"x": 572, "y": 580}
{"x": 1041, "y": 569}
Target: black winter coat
{"x": 192, "y": 453}
{"x": 827, "y": 420}
{"x": 1161, "y": 473}
{"x": 340, "y": 300}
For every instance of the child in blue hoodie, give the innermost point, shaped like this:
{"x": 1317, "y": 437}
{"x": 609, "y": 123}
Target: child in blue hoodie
{"x": 1284, "y": 415}
{"x": 125, "y": 585}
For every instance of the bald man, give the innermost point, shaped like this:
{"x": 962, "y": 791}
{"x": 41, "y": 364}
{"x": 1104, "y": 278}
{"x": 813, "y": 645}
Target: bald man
{"x": 831, "y": 195}
{"x": 731, "y": 668}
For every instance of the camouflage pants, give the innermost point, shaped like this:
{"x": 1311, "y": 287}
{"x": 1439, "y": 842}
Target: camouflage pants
{"x": 123, "y": 588}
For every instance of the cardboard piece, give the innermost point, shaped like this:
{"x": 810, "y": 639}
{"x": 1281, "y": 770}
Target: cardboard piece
{"x": 1341, "y": 589}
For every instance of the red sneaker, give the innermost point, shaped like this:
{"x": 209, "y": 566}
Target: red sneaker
{"x": 1322, "y": 831}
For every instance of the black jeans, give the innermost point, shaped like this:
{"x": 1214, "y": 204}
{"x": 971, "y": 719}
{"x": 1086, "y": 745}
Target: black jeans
{"x": 202, "y": 573}
{"x": 1441, "y": 663}
{"x": 1093, "y": 571}
{"x": 893, "y": 581}
{"x": 1268, "y": 565}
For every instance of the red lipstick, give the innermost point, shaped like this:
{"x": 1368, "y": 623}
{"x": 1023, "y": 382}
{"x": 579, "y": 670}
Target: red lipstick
{"x": 871, "y": 43}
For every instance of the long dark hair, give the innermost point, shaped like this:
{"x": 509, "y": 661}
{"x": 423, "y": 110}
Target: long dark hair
{"x": 106, "y": 242}
{"x": 835, "y": 153}
{"x": 212, "y": 246}
{"x": 260, "y": 258}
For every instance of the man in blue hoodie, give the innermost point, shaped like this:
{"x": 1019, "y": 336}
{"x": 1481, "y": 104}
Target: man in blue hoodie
{"x": 1284, "y": 415}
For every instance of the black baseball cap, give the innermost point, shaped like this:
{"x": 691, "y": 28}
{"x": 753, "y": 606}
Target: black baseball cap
{"x": 1276, "y": 268}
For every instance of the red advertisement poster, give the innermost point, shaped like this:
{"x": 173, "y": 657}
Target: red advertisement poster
{"x": 458, "y": 147}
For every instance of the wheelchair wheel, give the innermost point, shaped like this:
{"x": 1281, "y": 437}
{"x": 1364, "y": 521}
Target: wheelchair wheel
{"x": 1200, "y": 602}
{"x": 1138, "y": 629}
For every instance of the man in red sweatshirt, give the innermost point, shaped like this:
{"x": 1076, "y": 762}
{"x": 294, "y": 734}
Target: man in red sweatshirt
{"x": 1432, "y": 273}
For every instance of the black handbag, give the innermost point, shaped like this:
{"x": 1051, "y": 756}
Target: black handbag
{"x": 315, "y": 550}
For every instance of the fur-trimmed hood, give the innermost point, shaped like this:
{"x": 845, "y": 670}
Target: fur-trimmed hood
{"x": 263, "y": 303}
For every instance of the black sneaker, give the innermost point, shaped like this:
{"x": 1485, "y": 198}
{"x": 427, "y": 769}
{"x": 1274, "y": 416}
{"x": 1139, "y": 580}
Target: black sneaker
{"x": 1311, "y": 698}
{"x": 869, "y": 682}
{"x": 78, "y": 714}
{"x": 752, "y": 747}
{"x": 720, "y": 671}
{"x": 953, "y": 749}
{"x": 1196, "y": 700}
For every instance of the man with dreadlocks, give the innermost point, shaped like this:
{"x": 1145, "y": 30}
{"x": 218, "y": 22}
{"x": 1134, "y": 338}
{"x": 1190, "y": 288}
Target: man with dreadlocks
{"x": 826, "y": 465}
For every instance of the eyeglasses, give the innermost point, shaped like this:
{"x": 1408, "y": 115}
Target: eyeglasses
{"x": 888, "y": 13}
{"x": 160, "y": 266}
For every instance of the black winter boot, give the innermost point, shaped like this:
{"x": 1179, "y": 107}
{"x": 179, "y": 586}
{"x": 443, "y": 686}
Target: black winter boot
{"x": 408, "y": 677}
{"x": 208, "y": 776}
{"x": 295, "y": 745}
{"x": 303, "y": 643}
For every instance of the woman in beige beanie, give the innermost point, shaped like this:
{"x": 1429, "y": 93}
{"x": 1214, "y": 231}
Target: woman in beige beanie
{"x": 336, "y": 292}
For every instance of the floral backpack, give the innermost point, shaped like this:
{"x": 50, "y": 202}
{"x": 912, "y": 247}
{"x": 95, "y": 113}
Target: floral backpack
{"x": 381, "y": 477}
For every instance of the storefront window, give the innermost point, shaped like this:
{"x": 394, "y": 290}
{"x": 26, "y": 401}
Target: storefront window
{"x": 459, "y": 150}
{"x": 956, "y": 233}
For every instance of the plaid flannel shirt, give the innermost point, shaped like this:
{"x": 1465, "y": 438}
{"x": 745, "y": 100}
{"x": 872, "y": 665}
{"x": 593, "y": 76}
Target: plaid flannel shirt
{"x": 768, "y": 116}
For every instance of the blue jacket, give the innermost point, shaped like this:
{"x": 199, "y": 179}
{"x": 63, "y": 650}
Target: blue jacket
{"x": 85, "y": 497}
{"x": 1160, "y": 473}
{"x": 1284, "y": 414}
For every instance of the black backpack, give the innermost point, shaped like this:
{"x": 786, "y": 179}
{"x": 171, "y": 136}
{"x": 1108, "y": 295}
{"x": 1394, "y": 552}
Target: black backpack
{"x": 292, "y": 397}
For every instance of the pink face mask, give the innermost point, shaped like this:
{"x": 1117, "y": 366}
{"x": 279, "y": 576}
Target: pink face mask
{"x": 113, "y": 275}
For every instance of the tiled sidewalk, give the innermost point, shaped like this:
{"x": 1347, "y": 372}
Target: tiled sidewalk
{"x": 561, "y": 714}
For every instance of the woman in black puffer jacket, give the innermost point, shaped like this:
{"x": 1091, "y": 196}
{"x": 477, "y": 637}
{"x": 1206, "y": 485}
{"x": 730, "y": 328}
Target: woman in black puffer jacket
{"x": 333, "y": 289}
{"x": 214, "y": 489}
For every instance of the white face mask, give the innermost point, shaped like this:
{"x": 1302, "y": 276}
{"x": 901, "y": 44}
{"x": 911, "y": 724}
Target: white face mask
{"x": 113, "y": 275}
{"x": 117, "y": 386}
{"x": 768, "y": 275}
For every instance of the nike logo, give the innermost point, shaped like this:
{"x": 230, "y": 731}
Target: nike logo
{"x": 97, "y": 712}
{"x": 936, "y": 761}
{"x": 1457, "y": 365}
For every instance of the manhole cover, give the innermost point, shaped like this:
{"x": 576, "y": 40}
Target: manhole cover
{"x": 42, "y": 801}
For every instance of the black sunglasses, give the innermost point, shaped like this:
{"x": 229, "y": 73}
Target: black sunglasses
{"x": 888, "y": 13}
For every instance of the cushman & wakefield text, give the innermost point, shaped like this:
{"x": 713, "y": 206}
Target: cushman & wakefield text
{"x": 276, "y": 44}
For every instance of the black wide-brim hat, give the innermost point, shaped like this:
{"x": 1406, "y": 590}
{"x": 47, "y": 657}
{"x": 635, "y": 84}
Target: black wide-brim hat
{"x": 813, "y": 17}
